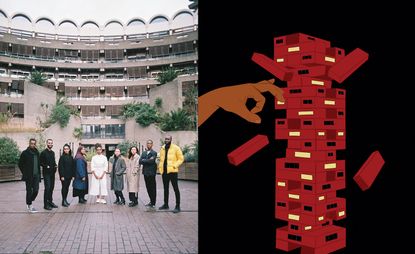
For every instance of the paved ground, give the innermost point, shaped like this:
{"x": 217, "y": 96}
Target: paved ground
{"x": 98, "y": 228}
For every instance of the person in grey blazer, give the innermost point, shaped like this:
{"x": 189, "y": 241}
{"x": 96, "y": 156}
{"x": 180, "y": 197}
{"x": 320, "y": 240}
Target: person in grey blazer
{"x": 117, "y": 176}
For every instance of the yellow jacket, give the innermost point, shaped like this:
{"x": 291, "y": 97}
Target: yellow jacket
{"x": 175, "y": 159}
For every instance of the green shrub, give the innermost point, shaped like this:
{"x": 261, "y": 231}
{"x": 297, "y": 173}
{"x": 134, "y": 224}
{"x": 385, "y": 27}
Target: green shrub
{"x": 143, "y": 113}
{"x": 125, "y": 147}
{"x": 176, "y": 120}
{"x": 166, "y": 75}
{"x": 38, "y": 78}
{"x": 158, "y": 102}
{"x": 9, "y": 151}
{"x": 77, "y": 133}
{"x": 61, "y": 113}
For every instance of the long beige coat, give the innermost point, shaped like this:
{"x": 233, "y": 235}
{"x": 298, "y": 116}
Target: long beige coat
{"x": 133, "y": 174}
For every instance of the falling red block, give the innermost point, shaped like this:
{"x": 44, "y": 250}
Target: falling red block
{"x": 268, "y": 64}
{"x": 368, "y": 172}
{"x": 346, "y": 66}
{"x": 246, "y": 150}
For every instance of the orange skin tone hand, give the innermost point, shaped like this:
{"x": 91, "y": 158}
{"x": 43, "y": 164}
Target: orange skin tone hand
{"x": 233, "y": 99}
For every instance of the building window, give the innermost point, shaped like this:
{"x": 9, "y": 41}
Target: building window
{"x": 320, "y": 90}
{"x": 307, "y": 144}
{"x": 308, "y": 123}
{"x": 307, "y": 57}
{"x": 331, "y": 143}
{"x": 340, "y": 174}
{"x": 308, "y": 187}
{"x": 307, "y": 101}
{"x": 302, "y": 72}
{"x": 279, "y": 41}
{"x": 295, "y": 227}
{"x": 341, "y": 92}
{"x": 328, "y": 122}
{"x": 108, "y": 131}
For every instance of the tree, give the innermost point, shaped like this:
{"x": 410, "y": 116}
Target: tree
{"x": 77, "y": 133}
{"x": 9, "y": 151}
{"x": 61, "y": 113}
{"x": 176, "y": 120}
{"x": 38, "y": 78}
{"x": 167, "y": 75}
{"x": 125, "y": 146}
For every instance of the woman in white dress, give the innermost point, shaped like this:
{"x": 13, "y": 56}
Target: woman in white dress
{"x": 99, "y": 168}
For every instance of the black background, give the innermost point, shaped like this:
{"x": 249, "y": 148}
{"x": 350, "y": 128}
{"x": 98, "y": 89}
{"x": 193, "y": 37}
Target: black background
{"x": 237, "y": 203}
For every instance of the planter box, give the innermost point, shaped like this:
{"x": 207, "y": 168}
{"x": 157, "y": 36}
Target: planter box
{"x": 10, "y": 173}
{"x": 189, "y": 171}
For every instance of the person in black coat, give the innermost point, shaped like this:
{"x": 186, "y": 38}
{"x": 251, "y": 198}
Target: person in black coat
{"x": 30, "y": 167}
{"x": 48, "y": 163}
{"x": 148, "y": 160}
{"x": 66, "y": 170}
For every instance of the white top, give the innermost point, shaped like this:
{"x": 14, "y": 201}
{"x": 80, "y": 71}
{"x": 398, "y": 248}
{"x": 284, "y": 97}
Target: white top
{"x": 99, "y": 164}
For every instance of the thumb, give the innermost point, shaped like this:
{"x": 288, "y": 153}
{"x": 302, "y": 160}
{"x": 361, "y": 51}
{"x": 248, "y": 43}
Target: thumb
{"x": 248, "y": 115}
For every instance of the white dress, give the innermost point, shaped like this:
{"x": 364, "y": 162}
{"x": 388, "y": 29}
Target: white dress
{"x": 99, "y": 164}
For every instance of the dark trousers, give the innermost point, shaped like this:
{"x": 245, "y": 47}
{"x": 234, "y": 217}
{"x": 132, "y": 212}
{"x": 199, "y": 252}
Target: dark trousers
{"x": 119, "y": 195}
{"x": 49, "y": 181}
{"x": 166, "y": 179}
{"x": 32, "y": 189}
{"x": 133, "y": 197}
{"x": 151, "y": 188}
{"x": 65, "y": 188}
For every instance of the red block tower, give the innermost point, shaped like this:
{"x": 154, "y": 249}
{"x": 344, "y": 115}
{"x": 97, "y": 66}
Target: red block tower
{"x": 314, "y": 124}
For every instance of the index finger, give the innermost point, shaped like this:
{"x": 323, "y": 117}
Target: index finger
{"x": 273, "y": 89}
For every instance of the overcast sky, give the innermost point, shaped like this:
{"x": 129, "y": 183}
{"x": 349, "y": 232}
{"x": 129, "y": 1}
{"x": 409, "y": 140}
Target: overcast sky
{"x": 97, "y": 10}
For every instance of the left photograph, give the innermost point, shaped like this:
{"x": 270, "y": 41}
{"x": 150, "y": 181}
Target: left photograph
{"x": 98, "y": 126}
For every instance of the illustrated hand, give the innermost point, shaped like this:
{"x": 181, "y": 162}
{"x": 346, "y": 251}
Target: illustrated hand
{"x": 233, "y": 99}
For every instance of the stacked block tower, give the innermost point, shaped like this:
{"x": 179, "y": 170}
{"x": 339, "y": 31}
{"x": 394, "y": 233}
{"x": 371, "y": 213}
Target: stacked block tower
{"x": 312, "y": 120}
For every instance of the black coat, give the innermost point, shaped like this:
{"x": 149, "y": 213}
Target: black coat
{"x": 66, "y": 166}
{"x": 47, "y": 161}
{"x": 148, "y": 160}
{"x": 26, "y": 164}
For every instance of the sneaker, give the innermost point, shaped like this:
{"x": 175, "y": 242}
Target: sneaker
{"x": 164, "y": 207}
{"x": 98, "y": 200}
{"x": 103, "y": 201}
{"x": 176, "y": 209}
{"x": 32, "y": 209}
{"x": 148, "y": 205}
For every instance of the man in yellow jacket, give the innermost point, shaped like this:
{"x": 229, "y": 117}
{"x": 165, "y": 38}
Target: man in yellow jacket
{"x": 171, "y": 157}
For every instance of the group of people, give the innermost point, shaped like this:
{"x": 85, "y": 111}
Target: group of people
{"x": 74, "y": 169}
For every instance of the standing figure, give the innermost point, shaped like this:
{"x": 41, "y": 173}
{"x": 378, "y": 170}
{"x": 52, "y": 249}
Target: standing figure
{"x": 66, "y": 170}
{"x": 80, "y": 184}
{"x": 133, "y": 176}
{"x": 30, "y": 168}
{"x": 99, "y": 168}
{"x": 148, "y": 160}
{"x": 171, "y": 157}
{"x": 117, "y": 176}
{"x": 48, "y": 163}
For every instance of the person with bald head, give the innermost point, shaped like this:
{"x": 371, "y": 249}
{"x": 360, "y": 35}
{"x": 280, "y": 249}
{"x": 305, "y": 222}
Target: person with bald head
{"x": 171, "y": 157}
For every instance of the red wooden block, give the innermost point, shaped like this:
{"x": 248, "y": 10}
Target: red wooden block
{"x": 281, "y": 133}
{"x": 314, "y": 239}
{"x": 247, "y": 149}
{"x": 330, "y": 124}
{"x": 268, "y": 64}
{"x": 301, "y": 47}
{"x": 311, "y": 71}
{"x": 327, "y": 248}
{"x": 369, "y": 171}
{"x": 306, "y": 91}
{"x": 298, "y": 81}
{"x": 285, "y": 246}
{"x": 297, "y": 38}
{"x": 308, "y": 154}
{"x": 345, "y": 67}
{"x": 320, "y": 188}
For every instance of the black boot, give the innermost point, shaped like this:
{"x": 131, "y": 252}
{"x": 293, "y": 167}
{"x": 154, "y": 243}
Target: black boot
{"x": 164, "y": 207}
{"x": 64, "y": 203}
{"x": 177, "y": 209}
